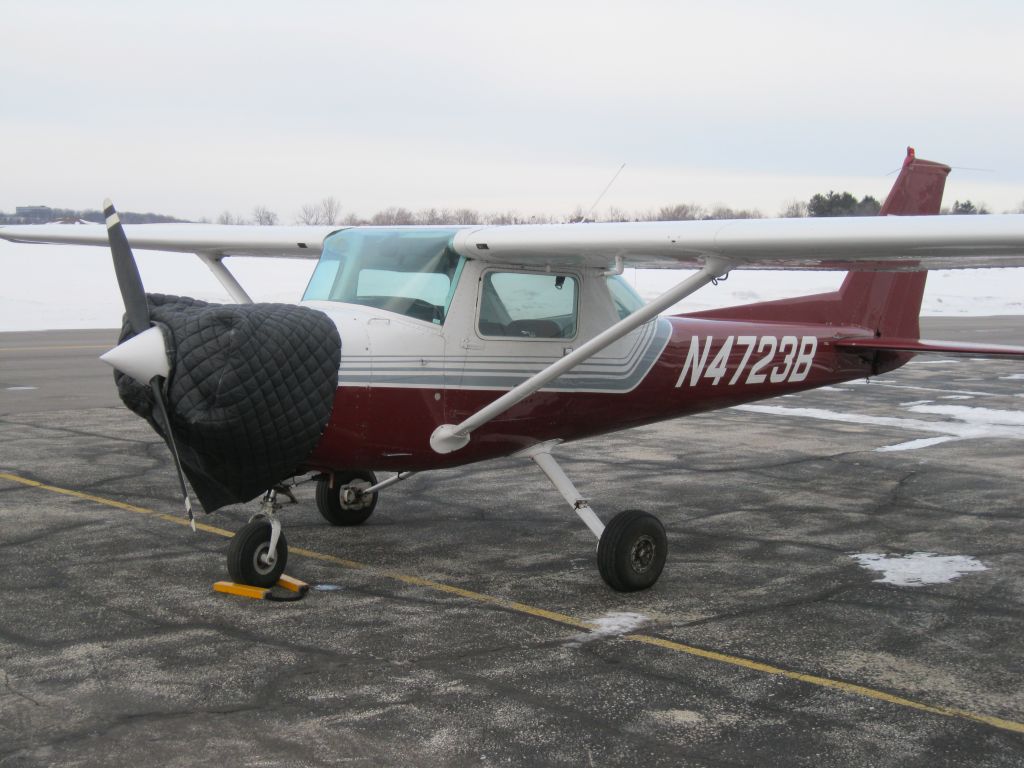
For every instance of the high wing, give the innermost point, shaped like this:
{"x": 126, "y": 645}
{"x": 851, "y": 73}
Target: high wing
{"x": 864, "y": 243}
{"x": 214, "y": 239}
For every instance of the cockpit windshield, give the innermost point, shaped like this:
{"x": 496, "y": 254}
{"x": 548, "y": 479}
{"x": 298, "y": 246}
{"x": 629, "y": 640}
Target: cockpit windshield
{"x": 409, "y": 271}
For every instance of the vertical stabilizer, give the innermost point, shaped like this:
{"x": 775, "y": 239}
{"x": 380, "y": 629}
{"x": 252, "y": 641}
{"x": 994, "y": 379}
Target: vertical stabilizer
{"x": 888, "y": 303}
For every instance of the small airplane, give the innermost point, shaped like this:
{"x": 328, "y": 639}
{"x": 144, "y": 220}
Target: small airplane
{"x": 419, "y": 348}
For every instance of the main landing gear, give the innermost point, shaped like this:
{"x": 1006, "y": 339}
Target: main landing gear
{"x": 631, "y": 549}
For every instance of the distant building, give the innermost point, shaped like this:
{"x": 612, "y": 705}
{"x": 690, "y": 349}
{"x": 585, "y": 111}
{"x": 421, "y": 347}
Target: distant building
{"x": 34, "y": 214}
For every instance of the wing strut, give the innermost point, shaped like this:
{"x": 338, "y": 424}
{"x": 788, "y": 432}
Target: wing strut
{"x": 451, "y": 437}
{"x": 223, "y": 274}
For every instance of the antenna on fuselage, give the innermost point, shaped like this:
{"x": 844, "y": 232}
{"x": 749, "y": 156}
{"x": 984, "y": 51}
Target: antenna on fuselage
{"x": 601, "y": 196}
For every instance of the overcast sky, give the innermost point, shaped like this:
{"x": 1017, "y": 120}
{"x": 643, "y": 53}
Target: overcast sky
{"x": 192, "y": 108}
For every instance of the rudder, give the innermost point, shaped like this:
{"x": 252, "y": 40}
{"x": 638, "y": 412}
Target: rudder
{"x": 889, "y": 303}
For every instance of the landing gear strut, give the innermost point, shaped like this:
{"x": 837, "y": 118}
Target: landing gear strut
{"x": 631, "y": 549}
{"x": 258, "y": 553}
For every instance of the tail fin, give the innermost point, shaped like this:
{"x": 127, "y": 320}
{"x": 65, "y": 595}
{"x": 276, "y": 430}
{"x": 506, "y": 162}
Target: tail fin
{"x": 888, "y": 303}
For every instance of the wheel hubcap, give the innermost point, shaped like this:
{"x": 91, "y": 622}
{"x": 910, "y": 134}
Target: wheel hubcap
{"x": 641, "y": 554}
{"x": 259, "y": 559}
{"x": 352, "y": 496}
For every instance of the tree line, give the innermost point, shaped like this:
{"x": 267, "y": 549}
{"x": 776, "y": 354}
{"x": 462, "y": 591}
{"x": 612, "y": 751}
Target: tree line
{"x": 42, "y": 214}
{"x": 328, "y": 211}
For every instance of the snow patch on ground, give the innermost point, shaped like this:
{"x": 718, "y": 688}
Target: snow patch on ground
{"x": 913, "y": 445}
{"x": 965, "y": 422}
{"x": 973, "y": 415}
{"x": 919, "y": 568}
{"x": 611, "y": 625}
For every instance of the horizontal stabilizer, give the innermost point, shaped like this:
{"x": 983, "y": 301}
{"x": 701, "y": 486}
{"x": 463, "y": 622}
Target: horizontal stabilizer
{"x": 920, "y": 346}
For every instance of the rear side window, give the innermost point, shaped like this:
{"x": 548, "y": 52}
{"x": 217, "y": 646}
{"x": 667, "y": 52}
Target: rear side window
{"x": 528, "y": 306}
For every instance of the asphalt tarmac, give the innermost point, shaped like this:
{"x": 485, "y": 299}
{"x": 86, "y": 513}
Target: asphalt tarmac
{"x": 465, "y": 622}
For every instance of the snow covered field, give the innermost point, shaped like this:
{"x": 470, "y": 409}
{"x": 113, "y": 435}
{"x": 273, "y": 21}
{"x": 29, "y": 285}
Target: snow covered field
{"x": 49, "y": 287}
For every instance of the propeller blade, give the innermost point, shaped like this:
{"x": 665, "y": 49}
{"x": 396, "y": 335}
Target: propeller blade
{"x": 144, "y": 355}
{"x": 128, "y": 279}
{"x": 158, "y": 395}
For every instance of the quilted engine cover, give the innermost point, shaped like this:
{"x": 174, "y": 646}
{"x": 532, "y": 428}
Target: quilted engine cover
{"x": 250, "y": 391}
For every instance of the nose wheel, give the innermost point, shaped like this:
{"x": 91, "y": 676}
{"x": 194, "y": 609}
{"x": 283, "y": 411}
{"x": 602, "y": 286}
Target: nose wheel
{"x": 252, "y": 557}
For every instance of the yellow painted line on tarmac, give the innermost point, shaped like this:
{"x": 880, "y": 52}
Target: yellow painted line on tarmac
{"x": 561, "y": 618}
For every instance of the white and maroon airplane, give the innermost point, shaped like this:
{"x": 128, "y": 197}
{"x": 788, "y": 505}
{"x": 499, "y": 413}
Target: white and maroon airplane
{"x": 418, "y": 348}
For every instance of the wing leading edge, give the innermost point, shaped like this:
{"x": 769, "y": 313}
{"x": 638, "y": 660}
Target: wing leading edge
{"x": 215, "y": 239}
{"x": 891, "y": 243}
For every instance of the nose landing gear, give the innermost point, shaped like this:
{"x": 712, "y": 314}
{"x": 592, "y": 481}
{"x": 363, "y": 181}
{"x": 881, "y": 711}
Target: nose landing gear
{"x": 258, "y": 553}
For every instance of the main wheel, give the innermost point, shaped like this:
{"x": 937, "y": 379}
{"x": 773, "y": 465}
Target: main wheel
{"x": 344, "y": 504}
{"x": 632, "y": 551}
{"x": 247, "y": 556}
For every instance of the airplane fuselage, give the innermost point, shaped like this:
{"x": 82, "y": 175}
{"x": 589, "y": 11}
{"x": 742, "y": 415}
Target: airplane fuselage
{"x": 400, "y": 378}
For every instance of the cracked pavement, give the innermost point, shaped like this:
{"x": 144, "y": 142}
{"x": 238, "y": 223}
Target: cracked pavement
{"x": 114, "y": 649}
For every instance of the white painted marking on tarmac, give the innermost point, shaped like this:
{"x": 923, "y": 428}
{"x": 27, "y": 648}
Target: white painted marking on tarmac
{"x": 968, "y": 423}
{"x": 19, "y": 389}
{"x": 919, "y": 569}
{"x": 1013, "y": 377}
{"x": 934, "y": 362}
{"x": 916, "y": 402}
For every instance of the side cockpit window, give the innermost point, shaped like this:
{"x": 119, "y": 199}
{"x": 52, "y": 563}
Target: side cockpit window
{"x": 528, "y": 306}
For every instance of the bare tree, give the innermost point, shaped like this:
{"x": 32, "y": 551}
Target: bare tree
{"x": 428, "y": 216}
{"x": 725, "y": 212}
{"x": 327, "y": 211}
{"x": 263, "y": 216}
{"x": 618, "y": 214}
{"x": 227, "y": 217}
{"x": 503, "y": 218}
{"x": 393, "y": 216}
{"x": 681, "y": 212}
{"x": 794, "y": 209}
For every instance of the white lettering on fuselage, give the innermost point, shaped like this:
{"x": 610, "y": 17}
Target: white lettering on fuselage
{"x": 795, "y": 357}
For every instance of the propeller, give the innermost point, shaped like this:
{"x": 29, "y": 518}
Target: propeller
{"x": 143, "y": 356}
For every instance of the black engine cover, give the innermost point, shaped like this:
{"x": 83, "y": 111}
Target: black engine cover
{"x": 250, "y": 391}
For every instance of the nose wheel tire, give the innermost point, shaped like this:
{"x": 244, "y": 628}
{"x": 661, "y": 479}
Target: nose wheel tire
{"x": 632, "y": 550}
{"x": 247, "y": 556}
{"x": 344, "y": 504}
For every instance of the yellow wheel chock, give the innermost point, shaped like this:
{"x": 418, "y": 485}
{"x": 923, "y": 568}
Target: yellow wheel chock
{"x": 293, "y": 590}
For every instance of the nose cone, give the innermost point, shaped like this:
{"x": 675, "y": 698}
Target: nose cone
{"x": 142, "y": 356}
